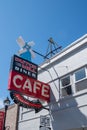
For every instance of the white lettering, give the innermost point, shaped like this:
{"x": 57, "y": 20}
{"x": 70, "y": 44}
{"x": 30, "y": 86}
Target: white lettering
{"x": 27, "y": 84}
{"x": 37, "y": 85}
{"x": 17, "y": 77}
{"x": 45, "y": 90}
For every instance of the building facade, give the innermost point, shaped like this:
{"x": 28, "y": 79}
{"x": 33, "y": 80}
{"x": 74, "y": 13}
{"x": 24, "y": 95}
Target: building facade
{"x": 66, "y": 73}
{"x": 11, "y": 121}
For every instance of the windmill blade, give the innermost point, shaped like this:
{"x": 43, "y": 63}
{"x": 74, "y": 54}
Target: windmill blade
{"x": 20, "y": 41}
{"x": 21, "y": 51}
{"x": 31, "y": 43}
{"x": 32, "y": 53}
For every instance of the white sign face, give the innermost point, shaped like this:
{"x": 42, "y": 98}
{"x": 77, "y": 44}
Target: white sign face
{"x": 47, "y": 121}
{"x": 45, "y": 128}
{"x": 44, "y": 121}
{"x": 42, "y": 128}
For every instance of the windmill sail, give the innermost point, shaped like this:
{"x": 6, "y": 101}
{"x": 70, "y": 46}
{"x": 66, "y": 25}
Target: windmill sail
{"x": 21, "y": 42}
{"x": 25, "y": 51}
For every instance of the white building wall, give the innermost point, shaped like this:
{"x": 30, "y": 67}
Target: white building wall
{"x": 71, "y": 114}
{"x": 68, "y": 112}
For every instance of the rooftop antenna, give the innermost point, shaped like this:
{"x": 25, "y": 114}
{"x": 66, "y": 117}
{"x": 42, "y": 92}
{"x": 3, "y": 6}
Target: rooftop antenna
{"x": 52, "y": 49}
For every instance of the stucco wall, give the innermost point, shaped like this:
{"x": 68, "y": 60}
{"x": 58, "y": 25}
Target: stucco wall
{"x": 11, "y": 117}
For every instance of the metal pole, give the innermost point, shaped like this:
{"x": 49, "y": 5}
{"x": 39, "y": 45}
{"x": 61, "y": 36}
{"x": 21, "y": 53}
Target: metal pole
{"x": 6, "y": 107}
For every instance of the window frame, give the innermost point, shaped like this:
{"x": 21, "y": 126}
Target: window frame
{"x": 66, "y": 86}
{"x": 62, "y": 79}
{"x": 77, "y": 71}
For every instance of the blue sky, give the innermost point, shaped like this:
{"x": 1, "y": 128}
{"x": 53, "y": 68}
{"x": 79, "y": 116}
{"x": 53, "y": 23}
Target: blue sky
{"x": 37, "y": 20}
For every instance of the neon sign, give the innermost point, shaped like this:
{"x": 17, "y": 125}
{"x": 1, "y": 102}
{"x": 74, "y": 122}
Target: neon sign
{"x": 23, "y": 79}
{"x": 29, "y": 86}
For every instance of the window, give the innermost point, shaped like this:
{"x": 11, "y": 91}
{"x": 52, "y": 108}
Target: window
{"x": 66, "y": 86}
{"x": 80, "y": 84}
{"x": 65, "y": 81}
{"x": 80, "y": 74}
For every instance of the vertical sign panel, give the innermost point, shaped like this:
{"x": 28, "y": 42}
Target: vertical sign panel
{"x": 1, "y": 120}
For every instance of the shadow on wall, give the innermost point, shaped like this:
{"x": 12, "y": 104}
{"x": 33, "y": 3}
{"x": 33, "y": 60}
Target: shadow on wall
{"x": 69, "y": 113}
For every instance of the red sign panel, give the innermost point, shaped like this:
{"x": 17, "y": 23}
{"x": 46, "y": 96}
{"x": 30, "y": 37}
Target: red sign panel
{"x": 1, "y": 120}
{"x": 28, "y": 86}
